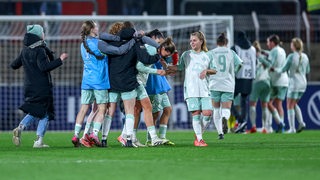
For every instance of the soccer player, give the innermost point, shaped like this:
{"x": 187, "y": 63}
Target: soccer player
{"x": 279, "y": 82}
{"x": 124, "y": 82}
{"x": 260, "y": 90}
{"x": 222, "y": 84}
{"x": 297, "y": 65}
{"x": 37, "y": 61}
{"x": 244, "y": 78}
{"x": 197, "y": 66}
{"x": 165, "y": 49}
{"x": 95, "y": 80}
{"x": 157, "y": 88}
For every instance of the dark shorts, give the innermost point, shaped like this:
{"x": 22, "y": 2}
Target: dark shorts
{"x": 243, "y": 86}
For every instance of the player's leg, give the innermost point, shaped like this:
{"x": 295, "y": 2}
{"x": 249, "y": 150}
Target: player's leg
{"x": 41, "y": 130}
{"x": 25, "y": 123}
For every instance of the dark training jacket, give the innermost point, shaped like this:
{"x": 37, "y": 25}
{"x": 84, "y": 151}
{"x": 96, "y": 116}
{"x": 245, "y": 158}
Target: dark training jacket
{"x": 122, "y": 68}
{"x": 37, "y": 61}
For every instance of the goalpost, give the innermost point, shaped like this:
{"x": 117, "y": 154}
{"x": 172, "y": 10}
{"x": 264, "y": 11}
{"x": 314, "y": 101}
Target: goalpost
{"x": 63, "y": 35}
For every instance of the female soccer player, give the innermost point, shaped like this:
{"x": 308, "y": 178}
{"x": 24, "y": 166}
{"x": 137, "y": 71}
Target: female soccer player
{"x": 197, "y": 66}
{"x": 297, "y": 65}
{"x": 223, "y": 82}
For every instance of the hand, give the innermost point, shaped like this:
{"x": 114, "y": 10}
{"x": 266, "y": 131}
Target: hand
{"x": 203, "y": 74}
{"x": 161, "y": 72}
{"x": 170, "y": 72}
{"x": 63, "y": 56}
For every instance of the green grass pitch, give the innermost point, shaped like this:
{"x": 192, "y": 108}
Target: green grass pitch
{"x": 238, "y": 156}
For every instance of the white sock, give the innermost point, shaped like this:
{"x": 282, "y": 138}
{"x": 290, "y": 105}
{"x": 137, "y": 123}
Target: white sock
{"x": 106, "y": 126}
{"x": 134, "y": 135}
{"x": 87, "y": 127}
{"x": 129, "y": 124}
{"x": 291, "y": 116}
{"x": 196, "y": 124}
{"x": 77, "y": 129}
{"x": 298, "y": 113}
{"x": 163, "y": 131}
{"x": 276, "y": 116}
{"x": 264, "y": 117}
{"x": 253, "y": 115}
{"x": 96, "y": 128}
{"x": 152, "y": 132}
{"x": 217, "y": 120}
{"x": 206, "y": 122}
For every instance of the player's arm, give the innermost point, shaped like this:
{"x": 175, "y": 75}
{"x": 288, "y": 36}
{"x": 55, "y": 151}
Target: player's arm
{"x": 106, "y": 48}
{"x": 17, "y": 63}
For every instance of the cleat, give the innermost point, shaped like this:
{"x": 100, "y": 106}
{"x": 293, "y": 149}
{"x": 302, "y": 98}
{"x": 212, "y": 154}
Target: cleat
{"x": 264, "y": 131}
{"x": 200, "y": 143}
{"x": 291, "y": 131}
{"x": 95, "y": 140}
{"x": 16, "y": 139}
{"x": 121, "y": 140}
{"x": 148, "y": 143}
{"x": 137, "y": 143}
{"x": 168, "y": 142}
{"x": 75, "y": 141}
{"x": 224, "y": 125}
{"x": 253, "y": 130}
{"x": 104, "y": 143}
{"x": 220, "y": 136}
{"x": 157, "y": 141}
{"x": 301, "y": 127}
{"x": 280, "y": 128}
{"x": 129, "y": 143}
{"x": 85, "y": 141}
{"x": 38, "y": 144}
{"x": 241, "y": 127}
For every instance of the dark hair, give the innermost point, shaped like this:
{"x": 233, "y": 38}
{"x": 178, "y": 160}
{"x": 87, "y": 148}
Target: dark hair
{"x": 275, "y": 39}
{"x": 85, "y": 31}
{"x": 222, "y": 40}
{"x": 155, "y": 33}
{"x": 168, "y": 45}
{"x": 128, "y": 24}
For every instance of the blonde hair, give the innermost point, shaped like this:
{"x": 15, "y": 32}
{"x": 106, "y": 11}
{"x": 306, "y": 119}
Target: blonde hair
{"x": 298, "y": 44}
{"x": 202, "y": 38}
{"x": 257, "y": 46}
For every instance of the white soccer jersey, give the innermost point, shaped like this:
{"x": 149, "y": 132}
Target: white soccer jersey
{"x": 262, "y": 72}
{"x": 277, "y": 56}
{"x": 248, "y": 68}
{"x": 143, "y": 69}
{"x": 227, "y": 61}
{"x": 297, "y": 67}
{"x": 194, "y": 63}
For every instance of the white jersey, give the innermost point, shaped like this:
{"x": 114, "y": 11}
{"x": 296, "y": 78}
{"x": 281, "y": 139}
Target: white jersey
{"x": 297, "y": 67}
{"x": 248, "y": 68}
{"x": 194, "y": 63}
{"x": 227, "y": 62}
{"x": 262, "y": 72}
{"x": 143, "y": 69}
{"x": 277, "y": 56}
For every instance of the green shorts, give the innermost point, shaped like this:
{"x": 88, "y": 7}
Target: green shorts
{"x": 89, "y": 96}
{"x": 278, "y": 92}
{"x": 260, "y": 90}
{"x": 294, "y": 95}
{"x": 201, "y": 103}
{"x": 115, "y": 96}
{"x": 159, "y": 102}
{"x": 141, "y": 92}
{"x": 219, "y": 96}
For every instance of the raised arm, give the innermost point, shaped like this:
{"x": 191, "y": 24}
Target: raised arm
{"x": 106, "y": 48}
{"x": 144, "y": 56}
{"x": 109, "y": 37}
{"x": 150, "y": 41}
{"x": 45, "y": 65}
